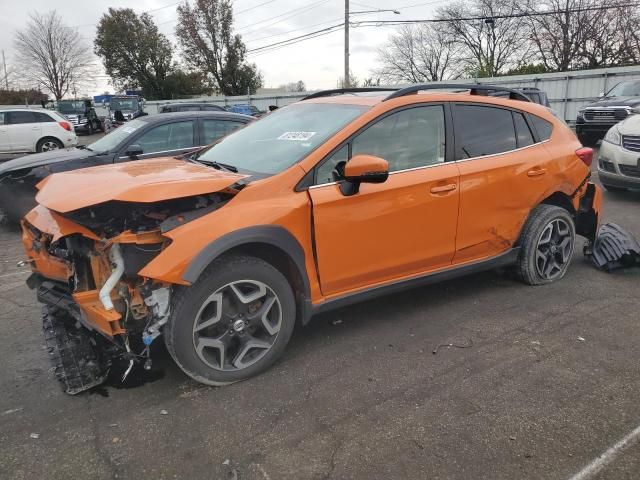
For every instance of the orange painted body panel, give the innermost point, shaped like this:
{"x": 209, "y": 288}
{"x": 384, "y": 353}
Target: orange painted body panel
{"x": 418, "y": 221}
{"x": 106, "y": 321}
{"x": 143, "y": 181}
{"x": 386, "y": 231}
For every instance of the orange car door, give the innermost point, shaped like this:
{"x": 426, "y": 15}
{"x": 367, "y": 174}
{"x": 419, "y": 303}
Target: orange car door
{"x": 503, "y": 171}
{"x": 403, "y": 227}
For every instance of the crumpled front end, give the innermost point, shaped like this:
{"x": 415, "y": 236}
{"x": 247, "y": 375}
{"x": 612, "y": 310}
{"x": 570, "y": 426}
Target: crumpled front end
{"x": 97, "y": 309}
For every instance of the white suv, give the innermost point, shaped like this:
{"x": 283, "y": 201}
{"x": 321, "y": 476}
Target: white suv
{"x": 619, "y": 156}
{"x": 25, "y": 130}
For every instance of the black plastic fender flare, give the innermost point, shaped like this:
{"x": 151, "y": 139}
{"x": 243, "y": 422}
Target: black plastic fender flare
{"x": 273, "y": 235}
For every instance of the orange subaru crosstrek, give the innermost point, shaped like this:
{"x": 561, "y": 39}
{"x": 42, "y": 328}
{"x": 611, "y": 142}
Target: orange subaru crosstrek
{"x": 341, "y": 197}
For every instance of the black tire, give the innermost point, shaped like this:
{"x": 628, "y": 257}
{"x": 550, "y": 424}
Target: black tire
{"x": 531, "y": 266}
{"x": 187, "y": 305}
{"x": 611, "y": 188}
{"x": 43, "y": 142}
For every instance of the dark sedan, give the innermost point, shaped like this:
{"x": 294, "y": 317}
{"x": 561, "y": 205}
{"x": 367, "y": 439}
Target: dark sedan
{"x": 152, "y": 136}
{"x": 191, "y": 107}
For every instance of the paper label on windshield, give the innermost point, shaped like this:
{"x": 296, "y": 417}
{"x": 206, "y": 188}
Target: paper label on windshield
{"x": 296, "y": 136}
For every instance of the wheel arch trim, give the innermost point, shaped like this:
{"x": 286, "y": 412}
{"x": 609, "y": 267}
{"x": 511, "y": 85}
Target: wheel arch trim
{"x": 271, "y": 235}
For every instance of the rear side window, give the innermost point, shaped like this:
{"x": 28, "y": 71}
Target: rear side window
{"x": 543, "y": 127}
{"x": 482, "y": 130}
{"x": 189, "y": 108}
{"x": 43, "y": 117}
{"x": 523, "y": 132}
{"x": 16, "y": 118}
{"x": 213, "y": 130}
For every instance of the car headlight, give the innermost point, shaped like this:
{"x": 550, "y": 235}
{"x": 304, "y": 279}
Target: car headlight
{"x": 613, "y": 136}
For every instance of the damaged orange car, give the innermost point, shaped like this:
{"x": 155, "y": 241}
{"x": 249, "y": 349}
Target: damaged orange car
{"x": 344, "y": 196}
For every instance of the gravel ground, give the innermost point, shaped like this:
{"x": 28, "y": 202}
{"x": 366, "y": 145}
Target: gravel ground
{"x": 359, "y": 393}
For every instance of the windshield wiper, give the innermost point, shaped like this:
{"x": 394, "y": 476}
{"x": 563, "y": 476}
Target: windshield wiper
{"x": 218, "y": 165}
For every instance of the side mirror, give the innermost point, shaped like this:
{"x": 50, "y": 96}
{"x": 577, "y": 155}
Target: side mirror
{"x": 134, "y": 150}
{"x": 363, "y": 169}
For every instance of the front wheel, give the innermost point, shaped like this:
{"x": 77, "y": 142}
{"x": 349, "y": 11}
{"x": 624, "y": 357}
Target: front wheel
{"x": 233, "y": 323}
{"x": 547, "y": 244}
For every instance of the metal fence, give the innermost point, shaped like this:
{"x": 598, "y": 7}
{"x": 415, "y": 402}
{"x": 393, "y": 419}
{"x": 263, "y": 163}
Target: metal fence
{"x": 567, "y": 91}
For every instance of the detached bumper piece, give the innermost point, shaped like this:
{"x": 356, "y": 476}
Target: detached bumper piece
{"x": 74, "y": 352}
{"x": 614, "y": 248}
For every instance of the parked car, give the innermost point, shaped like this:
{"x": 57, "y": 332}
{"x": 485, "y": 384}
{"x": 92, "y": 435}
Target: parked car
{"x": 335, "y": 199}
{"x": 146, "y": 137}
{"x": 81, "y": 114}
{"x": 246, "y": 110}
{"x": 27, "y": 130}
{"x": 619, "y": 156}
{"x": 595, "y": 119}
{"x": 123, "y": 108}
{"x": 191, "y": 107}
{"x": 535, "y": 95}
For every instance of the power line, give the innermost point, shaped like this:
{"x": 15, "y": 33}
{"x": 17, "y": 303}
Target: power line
{"x": 297, "y": 39}
{"x": 292, "y": 31}
{"x": 253, "y": 8}
{"x": 316, "y": 35}
{"x": 369, "y": 23}
{"x": 283, "y": 16}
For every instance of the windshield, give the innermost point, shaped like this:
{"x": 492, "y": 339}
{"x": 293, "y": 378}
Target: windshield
{"x": 123, "y": 104}
{"x": 71, "y": 107}
{"x": 113, "y": 139}
{"x": 625, "y": 89}
{"x": 282, "y": 138}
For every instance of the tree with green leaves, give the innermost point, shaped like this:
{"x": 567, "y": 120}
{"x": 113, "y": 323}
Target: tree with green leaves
{"x": 205, "y": 34}
{"x": 134, "y": 53}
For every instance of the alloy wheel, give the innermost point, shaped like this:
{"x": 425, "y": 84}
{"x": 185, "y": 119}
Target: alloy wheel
{"x": 49, "y": 145}
{"x": 237, "y": 325}
{"x": 554, "y": 249}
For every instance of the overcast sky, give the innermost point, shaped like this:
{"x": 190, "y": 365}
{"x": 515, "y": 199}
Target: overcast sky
{"x": 318, "y": 62}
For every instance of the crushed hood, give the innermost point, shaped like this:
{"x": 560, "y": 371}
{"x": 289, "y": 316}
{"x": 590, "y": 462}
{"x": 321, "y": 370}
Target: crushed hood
{"x": 142, "y": 181}
{"x": 45, "y": 158}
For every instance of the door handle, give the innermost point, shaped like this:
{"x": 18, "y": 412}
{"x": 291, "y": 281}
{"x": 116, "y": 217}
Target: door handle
{"x": 444, "y": 188}
{"x": 536, "y": 172}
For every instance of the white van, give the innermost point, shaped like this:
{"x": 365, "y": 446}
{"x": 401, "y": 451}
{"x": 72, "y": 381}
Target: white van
{"x": 37, "y": 130}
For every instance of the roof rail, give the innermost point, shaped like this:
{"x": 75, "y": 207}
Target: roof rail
{"x": 473, "y": 90}
{"x": 338, "y": 91}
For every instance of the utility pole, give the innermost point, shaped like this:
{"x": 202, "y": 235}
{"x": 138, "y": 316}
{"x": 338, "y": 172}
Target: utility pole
{"x": 347, "y": 80}
{"x": 6, "y": 77}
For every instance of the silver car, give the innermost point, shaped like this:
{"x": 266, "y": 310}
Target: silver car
{"x": 619, "y": 156}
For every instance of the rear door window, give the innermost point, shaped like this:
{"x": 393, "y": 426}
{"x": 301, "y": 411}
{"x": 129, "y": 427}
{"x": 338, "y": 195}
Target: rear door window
{"x": 213, "y": 130}
{"x": 171, "y": 136}
{"x": 43, "y": 117}
{"x": 17, "y": 118}
{"x": 482, "y": 130}
{"x": 189, "y": 108}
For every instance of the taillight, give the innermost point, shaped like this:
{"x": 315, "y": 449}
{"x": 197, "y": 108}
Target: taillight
{"x": 65, "y": 125}
{"x": 586, "y": 155}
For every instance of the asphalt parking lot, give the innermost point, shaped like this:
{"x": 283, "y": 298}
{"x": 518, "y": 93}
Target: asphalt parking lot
{"x": 548, "y": 381}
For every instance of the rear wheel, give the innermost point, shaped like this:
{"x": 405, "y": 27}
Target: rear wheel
{"x": 233, "y": 323}
{"x": 547, "y": 244}
{"x": 48, "y": 143}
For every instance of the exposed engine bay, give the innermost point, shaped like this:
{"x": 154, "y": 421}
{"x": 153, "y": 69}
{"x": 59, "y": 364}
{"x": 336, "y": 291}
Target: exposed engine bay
{"x": 86, "y": 263}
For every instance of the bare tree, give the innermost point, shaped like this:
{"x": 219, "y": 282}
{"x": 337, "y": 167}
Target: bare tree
{"x": 491, "y": 43}
{"x": 52, "y": 55}
{"x": 422, "y": 53}
{"x": 611, "y": 42}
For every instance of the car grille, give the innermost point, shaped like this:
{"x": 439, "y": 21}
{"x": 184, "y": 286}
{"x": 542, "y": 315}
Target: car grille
{"x": 607, "y": 166}
{"x": 631, "y": 142}
{"x": 630, "y": 170}
{"x": 73, "y": 119}
{"x": 608, "y": 115}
